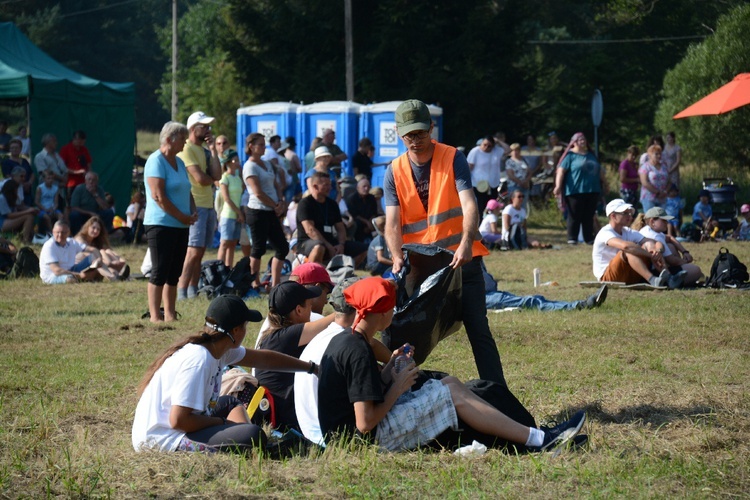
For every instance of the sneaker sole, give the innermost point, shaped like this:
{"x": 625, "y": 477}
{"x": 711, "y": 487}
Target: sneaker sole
{"x": 565, "y": 436}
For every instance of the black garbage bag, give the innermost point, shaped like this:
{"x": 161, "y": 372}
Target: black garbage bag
{"x": 428, "y": 304}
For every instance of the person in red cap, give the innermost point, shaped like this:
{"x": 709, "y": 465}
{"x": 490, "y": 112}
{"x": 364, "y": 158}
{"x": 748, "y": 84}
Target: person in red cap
{"x": 290, "y": 331}
{"x": 309, "y": 274}
{"x": 352, "y": 399}
{"x": 179, "y": 407}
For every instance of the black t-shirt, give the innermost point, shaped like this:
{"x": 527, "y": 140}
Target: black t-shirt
{"x": 348, "y": 374}
{"x": 362, "y": 164}
{"x": 324, "y": 217}
{"x": 366, "y": 207}
{"x": 281, "y": 384}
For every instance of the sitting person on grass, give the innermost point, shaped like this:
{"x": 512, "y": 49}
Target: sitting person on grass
{"x": 514, "y": 223}
{"x": 488, "y": 228}
{"x": 87, "y": 200}
{"x": 379, "y": 260}
{"x": 179, "y": 407}
{"x": 57, "y": 260}
{"x": 703, "y": 214}
{"x": 624, "y": 255}
{"x": 47, "y": 199}
{"x": 92, "y": 234}
{"x": 8, "y": 252}
{"x": 356, "y": 397}
{"x": 742, "y": 233}
{"x": 676, "y": 256}
{"x": 320, "y": 232}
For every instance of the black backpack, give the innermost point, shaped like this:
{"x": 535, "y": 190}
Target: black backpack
{"x": 237, "y": 281}
{"x": 26, "y": 265}
{"x": 213, "y": 273}
{"x": 727, "y": 271}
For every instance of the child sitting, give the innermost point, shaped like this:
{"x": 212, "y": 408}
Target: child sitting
{"x": 673, "y": 207}
{"x": 703, "y": 215}
{"x": 743, "y": 231}
{"x": 47, "y": 198}
{"x": 489, "y": 227}
{"x": 514, "y": 223}
{"x": 378, "y": 256}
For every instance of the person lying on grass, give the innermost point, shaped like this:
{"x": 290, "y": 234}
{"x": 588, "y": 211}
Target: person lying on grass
{"x": 179, "y": 407}
{"x": 355, "y": 397}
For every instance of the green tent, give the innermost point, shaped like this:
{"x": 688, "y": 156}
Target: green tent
{"x": 62, "y": 101}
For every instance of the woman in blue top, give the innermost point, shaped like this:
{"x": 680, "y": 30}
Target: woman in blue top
{"x": 167, "y": 219}
{"x": 580, "y": 179}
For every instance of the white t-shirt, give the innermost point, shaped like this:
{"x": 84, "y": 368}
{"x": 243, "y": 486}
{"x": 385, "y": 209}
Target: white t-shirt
{"x": 484, "y": 226}
{"x": 63, "y": 256}
{"x": 306, "y": 387}
{"x": 190, "y": 377}
{"x": 487, "y": 166}
{"x": 651, "y": 234}
{"x": 516, "y": 217}
{"x": 266, "y": 325}
{"x": 602, "y": 253}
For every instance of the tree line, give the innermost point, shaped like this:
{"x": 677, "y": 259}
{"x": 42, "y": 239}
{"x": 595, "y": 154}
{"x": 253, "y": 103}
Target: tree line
{"x": 520, "y": 67}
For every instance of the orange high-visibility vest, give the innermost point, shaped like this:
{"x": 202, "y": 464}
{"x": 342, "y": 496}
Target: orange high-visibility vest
{"x": 442, "y": 224}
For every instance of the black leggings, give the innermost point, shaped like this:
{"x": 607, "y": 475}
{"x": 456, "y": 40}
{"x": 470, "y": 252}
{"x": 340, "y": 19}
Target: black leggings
{"x": 581, "y": 210}
{"x": 230, "y": 437}
{"x": 265, "y": 226}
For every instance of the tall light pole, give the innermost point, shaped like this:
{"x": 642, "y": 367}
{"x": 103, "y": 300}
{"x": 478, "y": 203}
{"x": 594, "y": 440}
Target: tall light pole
{"x": 174, "y": 60}
{"x": 349, "y": 51}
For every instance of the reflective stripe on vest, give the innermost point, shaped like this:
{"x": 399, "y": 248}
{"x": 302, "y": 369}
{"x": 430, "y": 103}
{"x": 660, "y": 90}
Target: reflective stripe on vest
{"x": 442, "y": 224}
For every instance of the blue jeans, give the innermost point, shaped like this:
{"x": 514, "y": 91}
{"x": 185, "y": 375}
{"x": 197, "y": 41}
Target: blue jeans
{"x": 501, "y": 300}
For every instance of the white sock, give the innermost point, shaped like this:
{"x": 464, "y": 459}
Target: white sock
{"x": 536, "y": 437}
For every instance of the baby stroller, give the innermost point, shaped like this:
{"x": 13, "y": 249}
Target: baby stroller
{"x": 724, "y": 200}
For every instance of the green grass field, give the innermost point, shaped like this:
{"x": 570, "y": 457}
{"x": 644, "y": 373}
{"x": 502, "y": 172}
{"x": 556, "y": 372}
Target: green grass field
{"x": 664, "y": 377}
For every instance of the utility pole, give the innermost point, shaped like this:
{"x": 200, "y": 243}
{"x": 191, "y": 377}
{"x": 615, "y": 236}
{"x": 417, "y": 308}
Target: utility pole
{"x": 349, "y": 51}
{"x": 174, "y": 60}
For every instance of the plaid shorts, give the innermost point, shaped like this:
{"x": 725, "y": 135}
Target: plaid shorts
{"x": 417, "y": 418}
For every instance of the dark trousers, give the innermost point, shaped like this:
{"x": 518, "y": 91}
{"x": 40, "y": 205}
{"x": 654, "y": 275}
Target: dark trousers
{"x": 486, "y": 356}
{"x": 483, "y": 198}
{"x": 265, "y": 226}
{"x": 581, "y": 210}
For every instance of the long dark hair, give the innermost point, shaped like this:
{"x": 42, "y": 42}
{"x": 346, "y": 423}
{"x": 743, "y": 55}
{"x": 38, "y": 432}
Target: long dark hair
{"x": 275, "y": 322}
{"x": 10, "y": 191}
{"x": 207, "y": 336}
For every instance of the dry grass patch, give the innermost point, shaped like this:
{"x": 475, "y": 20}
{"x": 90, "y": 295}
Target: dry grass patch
{"x": 663, "y": 376}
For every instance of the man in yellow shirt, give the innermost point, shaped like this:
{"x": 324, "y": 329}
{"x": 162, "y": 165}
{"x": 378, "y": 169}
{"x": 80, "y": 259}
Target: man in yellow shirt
{"x": 204, "y": 168}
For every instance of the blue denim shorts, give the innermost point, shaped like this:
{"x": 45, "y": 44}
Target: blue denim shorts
{"x": 202, "y": 232}
{"x": 230, "y": 229}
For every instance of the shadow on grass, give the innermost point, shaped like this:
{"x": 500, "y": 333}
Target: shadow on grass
{"x": 647, "y": 414}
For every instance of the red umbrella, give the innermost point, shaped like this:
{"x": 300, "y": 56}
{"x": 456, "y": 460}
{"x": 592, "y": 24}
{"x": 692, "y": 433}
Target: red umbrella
{"x": 732, "y": 95}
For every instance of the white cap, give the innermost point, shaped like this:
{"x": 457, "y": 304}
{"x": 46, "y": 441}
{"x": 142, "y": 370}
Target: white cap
{"x": 321, "y": 151}
{"x": 198, "y": 117}
{"x": 618, "y": 205}
{"x": 282, "y": 146}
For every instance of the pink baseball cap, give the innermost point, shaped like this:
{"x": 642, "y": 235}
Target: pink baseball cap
{"x": 311, "y": 273}
{"x": 493, "y": 205}
{"x": 745, "y": 208}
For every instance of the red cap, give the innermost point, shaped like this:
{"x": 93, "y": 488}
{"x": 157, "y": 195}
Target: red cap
{"x": 311, "y": 273}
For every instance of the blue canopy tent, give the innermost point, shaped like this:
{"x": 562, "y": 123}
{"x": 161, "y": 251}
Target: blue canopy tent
{"x": 61, "y": 101}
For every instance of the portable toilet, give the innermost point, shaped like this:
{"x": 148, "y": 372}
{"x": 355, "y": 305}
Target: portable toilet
{"x": 341, "y": 116}
{"x": 378, "y": 123}
{"x": 269, "y": 119}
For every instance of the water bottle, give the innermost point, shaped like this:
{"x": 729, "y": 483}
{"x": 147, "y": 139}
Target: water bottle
{"x": 402, "y": 359}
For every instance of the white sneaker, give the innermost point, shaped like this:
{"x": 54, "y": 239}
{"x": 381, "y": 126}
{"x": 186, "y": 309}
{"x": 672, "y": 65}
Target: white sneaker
{"x": 39, "y": 239}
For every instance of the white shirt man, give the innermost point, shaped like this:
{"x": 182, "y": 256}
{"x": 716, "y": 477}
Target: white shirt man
{"x": 624, "y": 255}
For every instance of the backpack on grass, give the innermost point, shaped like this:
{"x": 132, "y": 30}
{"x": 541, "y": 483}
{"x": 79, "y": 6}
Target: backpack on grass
{"x": 727, "y": 272}
{"x": 26, "y": 265}
{"x": 217, "y": 279}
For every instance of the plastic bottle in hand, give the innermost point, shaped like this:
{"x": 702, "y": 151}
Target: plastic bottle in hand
{"x": 403, "y": 359}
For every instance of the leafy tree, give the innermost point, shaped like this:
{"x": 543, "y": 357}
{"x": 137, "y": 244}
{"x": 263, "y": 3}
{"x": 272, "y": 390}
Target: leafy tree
{"x": 706, "y": 67}
{"x": 207, "y": 79}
